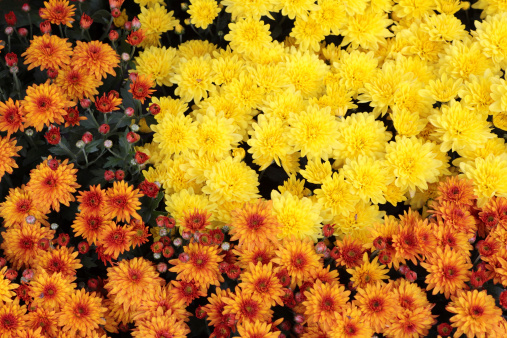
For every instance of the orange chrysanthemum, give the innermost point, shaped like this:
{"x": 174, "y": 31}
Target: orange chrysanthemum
{"x": 109, "y": 103}
{"x": 411, "y": 323}
{"x": 122, "y": 201}
{"x": 50, "y": 291}
{"x": 43, "y": 319}
{"x": 73, "y": 118}
{"x": 447, "y": 236}
{"x": 262, "y": 253}
{"x": 92, "y": 201}
{"x": 261, "y": 280}
{"x": 60, "y": 260}
{"x": 368, "y": 272}
{"x": 97, "y": 57}
{"x": 448, "y": 270}
{"x": 324, "y": 301}
{"x": 186, "y": 291}
{"x": 298, "y": 256}
{"x": 385, "y": 231}
{"x": 350, "y": 323}
{"x": 9, "y": 150}
{"x": 162, "y": 324}
{"x": 82, "y": 312}
{"x": 12, "y": 319}
{"x": 457, "y": 191}
{"x": 90, "y": 226}
{"x": 426, "y": 238}
{"x": 215, "y": 307}
{"x": 378, "y": 305}
{"x": 247, "y": 307}
{"x": 141, "y": 87}
{"x": 6, "y": 287}
{"x": 202, "y": 267}
{"x": 140, "y": 232}
{"x": 17, "y": 206}
{"x": 254, "y": 223}
{"x": 20, "y": 243}
{"x": 409, "y": 295}
{"x": 163, "y": 298}
{"x": 195, "y": 220}
{"x": 130, "y": 279}
{"x": 325, "y": 275}
{"x": 115, "y": 239}
{"x": 77, "y": 83}
{"x": 45, "y": 104}
{"x": 256, "y": 329}
{"x": 350, "y": 252}
{"x": 50, "y": 188}
{"x": 495, "y": 208}
{"x": 475, "y": 313}
{"x": 12, "y": 117}
{"x": 58, "y": 12}
{"x": 457, "y": 217}
{"x": 47, "y": 51}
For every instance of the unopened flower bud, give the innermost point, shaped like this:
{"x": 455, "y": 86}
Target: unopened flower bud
{"x": 157, "y": 255}
{"x": 104, "y": 128}
{"x": 29, "y": 132}
{"x": 162, "y": 267}
{"x": 85, "y": 103}
{"x": 125, "y": 56}
{"x": 225, "y": 246}
{"x": 23, "y": 32}
{"x": 25, "y": 7}
{"x": 134, "y": 127}
{"x": 87, "y": 137}
{"x": 80, "y": 144}
{"x": 108, "y": 144}
{"x": 128, "y": 25}
{"x": 14, "y": 70}
{"x": 129, "y": 111}
{"x": 299, "y": 318}
{"x": 177, "y": 242}
{"x": 186, "y": 235}
{"x": 30, "y": 219}
{"x": 411, "y": 276}
{"x": 320, "y": 247}
{"x": 54, "y": 226}
{"x": 136, "y": 24}
{"x": 162, "y": 231}
{"x": 113, "y": 35}
{"x": 184, "y": 257}
{"x": 9, "y": 30}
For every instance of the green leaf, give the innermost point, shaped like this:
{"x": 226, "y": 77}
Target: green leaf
{"x": 113, "y": 162}
{"x": 128, "y": 101}
{"x": 93, "y": 146}
{"x": 88, "y": 262}
{"x": 101, "y": 16}
{"x": 58, "y": 151}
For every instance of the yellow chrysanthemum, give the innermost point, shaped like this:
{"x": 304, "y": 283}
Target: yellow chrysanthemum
{"x": 280, "y": 105}
{"x": 155, "y": 20}
{"x": 359, "y": 221}
{"x": 193, "y": 78}
{"x": 368, "y": 178}
{"x": 187, "y": 201}
{"x": 366, "y": 30}
{"x": 158, "y": 63}
{"x": 6, "y": 287}
{"x": 316, "y": 172}
{"x": 308, "y": 33}
{"x": 216, "y": 135}
{"x": 355, "y": 69}
{"x": 203, "y": 12}
{"x": 305, "y": 72}
{"x": 336, "y": 195}
{"x": 175, "y": 134}
{"x": 253, "y": 8}
{"x": 248, "y": 36}
{"x": 491, "y": 33}
{"x": 297, "y": 217}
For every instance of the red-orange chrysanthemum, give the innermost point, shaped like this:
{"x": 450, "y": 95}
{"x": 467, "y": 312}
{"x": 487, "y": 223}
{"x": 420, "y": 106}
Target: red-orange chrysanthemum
{"x": 447, "y": 236}
{"x": 324, "y": 301}
{"x": 20, "y": 244}
{"x": 448, "y": 270}
{"x": 496, "y": 208}
{"x": 140, "y": 232}
{"x": 254, "y": 223}
{"x": 12, "y": 319}
{"x": 247, "y": 307}
{"x": 89, "y": 226}
{"x": 97, "y": 57}
{"x": 215, "y": 307}
{"x": 45, "y": 104}
{"x": 161, "y": 324}
{"x": 202, "y": 265}
{"x": 77, "y": 83}
{"x": 109, "y": 103}
{"x": 350, "y": 323}
{"x": 58, "y": 12}
{"x": 60, "y": 260}
{"x": 457, "y": 217}
{"x": 350, "y": 252}
{"x": 298, "y": 256}
{"x": 73, "y": 118}
{"x": 406, "y": 244}
{"x": 17, "y": 206}
{"x": 47, "y": 51}
{"x": 257, "y": 329}
{"x": 411, "y": 323}
{"x": 163, "y": 298}
{"x": 12, "y": 117}
{"x": 186, "y": 291}
{"x": 261, "y": 280}
{"x": 44, "y": 319}
{"x": 92, "y": 200}
{"x": 50, "y": 291}
{"x": 195, "y": 220}
{"x": 115, "y": 239}
{"x": 122, "y": 201}
{"x": 130, "y": 279}
{"x": 262, "y": 253}
{"x": 8, "y": 151}
{"x": 457, "y": 191}
{"x": 82, "y": 312}
{"x": 50, "y": 188}
{"x": 141, "y": 87}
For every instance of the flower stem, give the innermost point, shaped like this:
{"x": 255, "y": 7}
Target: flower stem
{"x": 67, "y": 150}
{"x": 114, "y": 153}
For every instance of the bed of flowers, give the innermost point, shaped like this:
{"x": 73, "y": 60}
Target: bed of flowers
{"x": 253, "y": 168}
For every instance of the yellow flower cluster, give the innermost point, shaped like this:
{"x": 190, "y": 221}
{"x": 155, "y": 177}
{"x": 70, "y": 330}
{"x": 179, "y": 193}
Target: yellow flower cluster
{"x": 431, "y": 87}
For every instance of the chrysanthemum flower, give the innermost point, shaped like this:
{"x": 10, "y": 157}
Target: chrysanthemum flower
{"x": 215, "y": 307}
{"x": 92, "y": 200}
{"x": 175, "y": 134}
{"x": 457, "y": 191}
{"x": 12, "y": 117}
{"x": 248, "y": 36}
{"x": 490, "y": 33}
{"x": 203, "y": 12}
{"x": 186, "y": 292}
{"x": 350, "y": 323}
{"x": 260, "y": 280}
{"x": 12, "y": 319}
{"x": 60, "y": 260}
{"x": 475, "y": 313}
{"x": 294, "y": 9}
{"x": 316, "y": 172}
{"x": 366, "y": 30}
{"x": 355, "y": 69}
{"x": 116, "y": 239}
{"x": 50, "y": 291}
{"x": 6, "y": 287}
{"x": 378, "y": 305}
{"x": 488, "y": 175}
{"x": 361, "y": 134}
{"x": 50, "y": 188}
{"x": 324, "y": 301}
{"x": 411, "y": 323}
{"x": 45, "y": 104}
{"x": 336, "y": 194}
{"x": 412, "y": 162}
{"x": 122, "y": 201}
{"x": 82, "y": 312}
{"x": 20, "y": 244}
{"x": 350, "y": 252}
{"x": 264, "y": 252}
{"x": 58, "y": 12}
{"x": 9, "y": 151}
{"x": 155, "y": 20}
{"x": 77, "y": 82}
{"x": 448, "y": 271}
{"x": 99, "y": 58}
{"x": 48, "y": 51}
{"x": 457, "y": 217}
{"x": 231, "y": 180}
{"x": 368, "y": 272}
{"x": 298, "y": 256}
{"x": 413, "y": 10}
{"x": 257, "y": 329}
{"x": 308, "y": 33}
{"x": 140, "y": 88}
{"x": 331, "y": 16}
{"x": 108, "y": 103}
{"x": 410, "y": 296}
{"x": 162, "y": 324}
{"x": 163, "y": 298}
{"x": 131, "y": 278}
{"x": 255, "y": 222}
{"x": 43, "y": 319}
{"x": 247, "y": 307}
{"x": 159, "y": 63}
{"x": 368, "y": 178}
{"x": 193, "y": 78}
{"x": 202, "y": 267}
{"x": 89, "y": 226}
{"x": 297, "y": 217}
